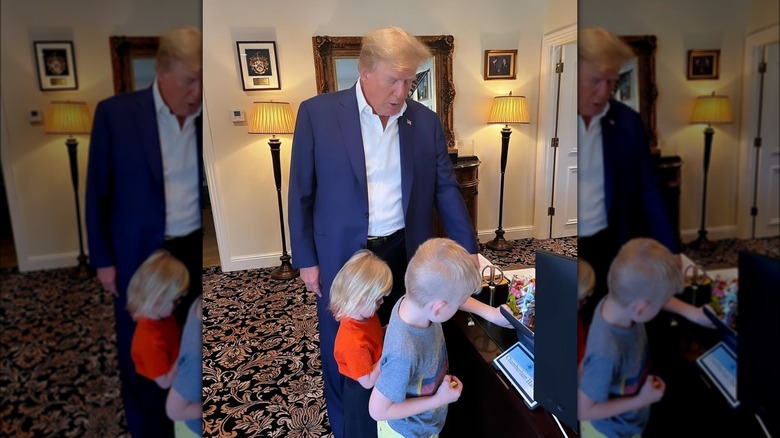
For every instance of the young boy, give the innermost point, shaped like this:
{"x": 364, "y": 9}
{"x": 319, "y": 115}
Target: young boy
{"x": 413, "y": 389}
{"x": 615, "y": 388}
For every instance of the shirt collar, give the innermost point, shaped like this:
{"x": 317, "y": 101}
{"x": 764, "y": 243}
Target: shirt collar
{"x": 161, "y": 108}
{"x": 364, "y": 107}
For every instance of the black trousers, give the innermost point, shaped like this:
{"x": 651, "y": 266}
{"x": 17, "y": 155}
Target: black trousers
{"x": 393, "y": 252}
{"x": 189, "y": 250}
{"x": 357, "y": 421}
{"x": 154, "y": 420}
{"x": 598, "y": 250}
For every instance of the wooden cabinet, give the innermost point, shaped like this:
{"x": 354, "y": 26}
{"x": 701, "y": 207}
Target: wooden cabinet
{"x": 467, "y": 174}
{"x": 670, "y": 177}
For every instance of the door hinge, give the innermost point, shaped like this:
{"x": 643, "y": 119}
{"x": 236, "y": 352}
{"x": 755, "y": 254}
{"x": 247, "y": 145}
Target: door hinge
{"x": 559, "y": 67}
{"x": 554, "y": 142}
{"x": 550, "y": 211}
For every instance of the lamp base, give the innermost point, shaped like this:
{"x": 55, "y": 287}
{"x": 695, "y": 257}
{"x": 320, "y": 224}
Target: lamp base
{"x": 499, "y": 243}
{"x": 82, "y": 271}
{"x": 286, "y": 270}
{"x": 701, "y": 243}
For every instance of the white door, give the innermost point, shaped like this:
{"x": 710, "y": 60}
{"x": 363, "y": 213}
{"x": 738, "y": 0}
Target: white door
{"x": 767, "y": 201}
{"x": 564, "y": 202}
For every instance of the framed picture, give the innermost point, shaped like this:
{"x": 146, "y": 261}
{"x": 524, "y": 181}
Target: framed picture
{"x": 703, "y": 64}
{"x": 500, "y": 64}
{"x": 56, "y": 65}
{"x": 422, "y": 82}
{"x": 259, "y": 65}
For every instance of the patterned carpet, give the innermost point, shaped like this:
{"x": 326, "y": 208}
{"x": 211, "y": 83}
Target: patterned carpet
{"x": 261, "y": 360}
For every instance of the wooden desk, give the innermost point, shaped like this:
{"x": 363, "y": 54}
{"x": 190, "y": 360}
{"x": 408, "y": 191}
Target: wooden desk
{"x": 489, "y": 406}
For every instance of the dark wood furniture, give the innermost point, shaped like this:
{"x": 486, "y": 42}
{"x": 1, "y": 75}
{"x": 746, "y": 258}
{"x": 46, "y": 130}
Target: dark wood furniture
{"x": 670, "y": 176}
{"x": 467, "y": 174}
{"x": 489, "y": 406}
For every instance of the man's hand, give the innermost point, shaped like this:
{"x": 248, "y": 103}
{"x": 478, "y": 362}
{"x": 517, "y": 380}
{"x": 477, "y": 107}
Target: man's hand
{"x": 107, "y": 277}
{"x": 311, "y": 278}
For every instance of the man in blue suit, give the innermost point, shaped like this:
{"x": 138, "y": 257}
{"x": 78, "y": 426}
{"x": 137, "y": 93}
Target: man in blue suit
{"x": 143, "y": 192}
{"x": 368, "y": 168}
{"x": 619, "y": 195}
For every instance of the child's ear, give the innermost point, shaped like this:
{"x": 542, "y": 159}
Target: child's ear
{"x": 640, "y": 306}
{"x": 436, "y": 306}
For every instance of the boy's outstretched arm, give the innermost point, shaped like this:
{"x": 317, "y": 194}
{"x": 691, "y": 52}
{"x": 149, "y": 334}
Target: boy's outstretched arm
{"x": 381, "y": 408}
{"x": 652, "y": 391}
{"x": 492, "y": 314}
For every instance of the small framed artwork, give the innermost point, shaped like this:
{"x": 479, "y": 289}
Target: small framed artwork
{"x": 500, "y": 64}
{"x": 703, "y": 64}
{"x": 56, "y": 65}
{"x": 420, "y": 85}
{"x": 259, "y": 65}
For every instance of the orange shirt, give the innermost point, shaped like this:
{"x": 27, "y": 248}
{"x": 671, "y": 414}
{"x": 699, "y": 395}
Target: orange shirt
{"x": 358, "y": 346}
{"x": 155, "y": 346}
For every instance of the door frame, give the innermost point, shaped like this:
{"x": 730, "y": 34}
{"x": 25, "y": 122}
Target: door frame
{"x": 750, "y": 90}
{"x": 545, "y": 165}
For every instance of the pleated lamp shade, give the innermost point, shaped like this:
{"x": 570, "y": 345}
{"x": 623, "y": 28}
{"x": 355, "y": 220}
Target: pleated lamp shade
{"x": 271, "y": 118}
{"x": 712, "y": 109}
{"x": 66, "y": 117}
{"x": 509, "y": 109}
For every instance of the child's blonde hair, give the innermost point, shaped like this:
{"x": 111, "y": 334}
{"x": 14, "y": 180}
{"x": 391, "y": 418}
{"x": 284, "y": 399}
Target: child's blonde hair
{"x": 160, "y": 279}
{"x": 359, "y": 284}
{"x": 644, "y": 270}
{"x": 441, "y": 270}
{"x": 586, "y": 279}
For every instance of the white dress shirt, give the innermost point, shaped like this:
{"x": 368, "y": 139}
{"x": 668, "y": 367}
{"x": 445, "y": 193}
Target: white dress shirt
{"x": 180, "y": 169}
{"x": 382, "y": 149}
{"x": 590, "y": 165}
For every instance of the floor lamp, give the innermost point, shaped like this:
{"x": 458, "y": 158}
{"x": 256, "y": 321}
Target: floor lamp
{"x": 505, "y": 110}
{"x": 275, "y": 118}
{"x": 711, "y": 110}
{"x": 72, "y": 118}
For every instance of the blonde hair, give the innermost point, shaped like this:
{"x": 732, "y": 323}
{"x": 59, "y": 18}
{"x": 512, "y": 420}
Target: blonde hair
{"x": 183, "y": 44}
{"x": 441, "y": 270}
{"x": 644, "y": 270}
{"x": 360, "y": 283}
{"x": 160, "y": 279}
{"x": 586, "y": 279}
{"x": 393, "y": 45}
{"x": 602, "y": 48}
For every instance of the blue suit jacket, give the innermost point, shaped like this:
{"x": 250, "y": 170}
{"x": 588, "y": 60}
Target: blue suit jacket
{"x": 633, "y": 198}
{"x": 125, "y": 191}
{"x": 328, "y": 199}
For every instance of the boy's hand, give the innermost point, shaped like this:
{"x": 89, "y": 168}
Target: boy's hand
{"x": 653, "y": 389}
{"x": 448, "y": 393}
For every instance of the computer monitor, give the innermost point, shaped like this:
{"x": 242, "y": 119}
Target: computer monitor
{"x": 555, "y": 346}
{"x": 758, "y": 325}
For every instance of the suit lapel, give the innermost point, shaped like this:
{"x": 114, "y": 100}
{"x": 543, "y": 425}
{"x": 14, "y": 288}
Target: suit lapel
{"x": 406, "y": 137}
{"x": 610, "y": 151}
{"x": 148, "y": 134}
{"x": 349, "y": 121}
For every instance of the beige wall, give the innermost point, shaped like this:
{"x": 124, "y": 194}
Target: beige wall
{"x": 35, "y": 165}
{"x": 681, "y": 26}
{"x": 239, "y": 164}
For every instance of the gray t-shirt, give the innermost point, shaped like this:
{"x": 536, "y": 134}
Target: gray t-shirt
{"x": 189, "y": 374}
{"x": 413, "y": 364}
{"x": 615, "y": 365}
